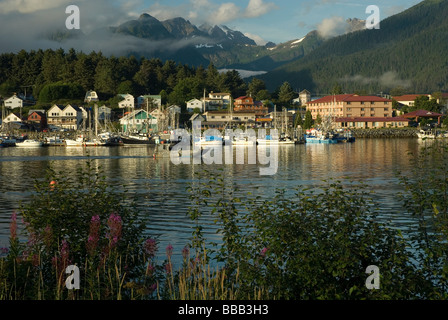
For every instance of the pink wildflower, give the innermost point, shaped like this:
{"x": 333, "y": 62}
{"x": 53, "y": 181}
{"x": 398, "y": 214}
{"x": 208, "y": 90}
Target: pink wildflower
{"x": 92, "y": 240}
{"x": 263, "y": 252}
{"x": 115, "y": 226}
{"x": 185, "y": 252}
{"x": 169, "y": 250}
{"x": 13, "y": 226}
{"x": 150, "y": 247}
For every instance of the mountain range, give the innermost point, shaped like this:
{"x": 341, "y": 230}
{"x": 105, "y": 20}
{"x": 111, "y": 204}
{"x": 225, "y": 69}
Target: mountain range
{"x": 409, "y": 51}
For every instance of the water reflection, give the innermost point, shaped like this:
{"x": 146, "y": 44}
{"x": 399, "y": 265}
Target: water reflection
{"x": 160, "y": 185}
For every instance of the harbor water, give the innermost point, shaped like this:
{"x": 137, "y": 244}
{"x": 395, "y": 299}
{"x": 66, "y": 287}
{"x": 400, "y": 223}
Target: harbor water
{"x": 161, "y": 186}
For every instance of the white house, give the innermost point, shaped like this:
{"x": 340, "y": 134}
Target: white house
{"x": 13, "y": 102}
{"x": 193, "y": 104}
{"x": 70, "y": 117}
{"x": 91, "y": 96}
{"x": 156, "y": 101}
{"x": 216, "y": 101}
{"x": 12, "y": 117}
{"x": 54, "y": 115}
{"x": 127, "y": 102}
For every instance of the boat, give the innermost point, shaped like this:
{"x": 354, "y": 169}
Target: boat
{"x": 54, "y": 141}
{"x": 426, "y": 134}
{"x": 6, "y": 141}
{"x": 208, "y": 141}
{"x": 30, "y": 144}
{"x": 314, "y": 136}
{"x": 136, "y": 140}
{"x": 78, "y": 142}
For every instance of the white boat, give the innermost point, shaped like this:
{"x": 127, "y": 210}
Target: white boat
{"x": 208, "y": 141}
{"x": 426, "y": 134}
{"x": 29, "y": 144}
{"x": 54, "y": 141}
{"x": 79, "y": 142}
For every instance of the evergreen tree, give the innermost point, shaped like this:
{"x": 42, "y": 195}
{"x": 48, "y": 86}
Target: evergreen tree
{"x": 286, "y": 94}
{"x": 308, "y": 123}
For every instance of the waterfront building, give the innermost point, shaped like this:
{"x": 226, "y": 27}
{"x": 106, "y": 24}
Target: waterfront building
{"x": 38, "y": 118}
{"x": 351, "y": 106}
{"x": 372, "y": 122}
{"x": 13, "y": 102}
{"x": 127, "y": 102}
{"x": 71, "y": 117}
{"x": 217, "y": 101}
{"x": 12, "y": 118}
{"x": 409, "y": 99}
{"x": 91, "y": 96}
{"x": 138, "y": 121}
{"x": 195, "y": 103}
{"x": 247, "y": 104}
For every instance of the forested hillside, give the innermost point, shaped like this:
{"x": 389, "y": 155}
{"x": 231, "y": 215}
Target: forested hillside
{"x": 53, "y": 76}
{"x": 408, "y": 51}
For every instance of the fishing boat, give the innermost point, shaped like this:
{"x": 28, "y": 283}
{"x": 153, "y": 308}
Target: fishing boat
{"x": 136, "y": 139}
{"x": 314, "y": 136}
{"x": 30, "y": 144}
{"x": 54, "y": 141}
{"x": 6, "y": 141}
{"x": 208, "y": 141}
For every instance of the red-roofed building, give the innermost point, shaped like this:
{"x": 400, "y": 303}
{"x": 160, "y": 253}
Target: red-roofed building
{"x": 423, "y": 114}
{"x": 351, "y": 106}
{"x": 409, "y": 99}
{"x": 372, "y": 122}
{"x": 247, "y": 104}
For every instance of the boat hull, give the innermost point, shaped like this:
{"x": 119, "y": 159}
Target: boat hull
{"x": 136, "y": 141}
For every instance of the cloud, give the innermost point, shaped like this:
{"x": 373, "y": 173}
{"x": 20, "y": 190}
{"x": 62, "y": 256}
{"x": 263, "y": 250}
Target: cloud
{"x": 258, "y": 40}
{"x": 332, "y": 27}
{"x": 257, "y": 8}
{"x": 207, "y": 11}
{"x": 389, "y": 79}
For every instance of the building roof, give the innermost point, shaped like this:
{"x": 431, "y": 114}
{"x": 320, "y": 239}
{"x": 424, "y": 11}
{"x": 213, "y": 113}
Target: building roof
{"x": 243, "y": 97}
{"x": 373, "y": 119}
{"x": 349, "y": 98}
{"x": 40, "y": 113}
{"x": 422, "y": 113}
{"x": 408, "y": 97}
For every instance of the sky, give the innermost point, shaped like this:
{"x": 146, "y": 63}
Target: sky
{"x": 24, "y": 22}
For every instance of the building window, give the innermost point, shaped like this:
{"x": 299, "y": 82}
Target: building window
{"x": 372, "y": 109}
{"x": 386, "y": 109}
{"x": 362, "y": 102}
{"x": 349, "y": 109}
{"x": 362, "y": 109}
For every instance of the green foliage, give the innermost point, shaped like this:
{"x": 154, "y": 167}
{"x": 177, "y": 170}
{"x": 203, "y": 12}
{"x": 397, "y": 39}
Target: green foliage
{"x": 286, "y": 94}
{"x": 80, "y": 221}
{"x": 308, "y": 123}
{"x": 378, "y": 60}
{"x": 58, "y": 91}
{"x": 425, "y": 196}
{"x": 310, "y": 244}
